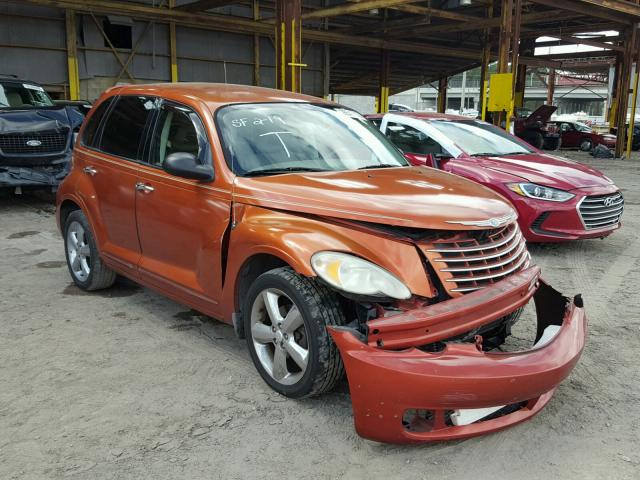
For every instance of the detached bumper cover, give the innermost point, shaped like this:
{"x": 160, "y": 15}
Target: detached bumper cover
{"x": 386, "y": 384}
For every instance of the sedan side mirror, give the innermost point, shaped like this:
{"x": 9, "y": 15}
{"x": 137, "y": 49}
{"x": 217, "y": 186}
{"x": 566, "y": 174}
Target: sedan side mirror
{"x": 185, "y": 165}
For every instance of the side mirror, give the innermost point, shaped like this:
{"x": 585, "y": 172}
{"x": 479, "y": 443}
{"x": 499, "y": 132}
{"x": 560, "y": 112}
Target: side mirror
{"x": 185, "y": 165}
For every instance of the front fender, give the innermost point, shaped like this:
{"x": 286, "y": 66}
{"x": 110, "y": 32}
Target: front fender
{"x": 294, "y": 238}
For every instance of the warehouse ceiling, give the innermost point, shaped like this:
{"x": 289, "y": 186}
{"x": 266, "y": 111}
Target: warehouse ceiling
{"x": 428, "y": 40}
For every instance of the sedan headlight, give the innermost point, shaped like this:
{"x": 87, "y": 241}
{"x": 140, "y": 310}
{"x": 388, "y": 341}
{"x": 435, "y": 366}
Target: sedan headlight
{"x": 355, "y": 275}
{"x": 540, "y": 192}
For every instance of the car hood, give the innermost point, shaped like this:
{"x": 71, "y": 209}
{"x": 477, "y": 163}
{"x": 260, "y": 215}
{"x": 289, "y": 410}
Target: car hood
{"x": 38, "y": 119}
{"x": 416, "y": 197}
{"x": 542, "y": 114}
{"x": 546, "y": 170}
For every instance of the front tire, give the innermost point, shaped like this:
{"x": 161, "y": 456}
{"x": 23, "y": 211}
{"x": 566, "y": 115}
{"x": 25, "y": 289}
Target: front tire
{"x": 586, "y": 145}
{"x": 285, "y": 319}
{"x": 83, "y": 259}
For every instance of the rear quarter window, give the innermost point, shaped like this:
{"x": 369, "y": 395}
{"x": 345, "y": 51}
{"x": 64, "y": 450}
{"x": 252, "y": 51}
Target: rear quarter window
{"x": 93, "y": 124}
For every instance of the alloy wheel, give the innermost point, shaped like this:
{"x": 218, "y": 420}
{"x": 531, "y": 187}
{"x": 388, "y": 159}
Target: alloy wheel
{"x": 78, "y": 251}
{"x": 279, "y": 336}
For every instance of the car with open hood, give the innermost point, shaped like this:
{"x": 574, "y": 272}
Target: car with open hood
{"x": 297, "y": 222}
{"x": 36, "y": 135}
{"x": 535, "y": 128}
{"x": 557, "y": 199}
{"x": 582, "y": 136}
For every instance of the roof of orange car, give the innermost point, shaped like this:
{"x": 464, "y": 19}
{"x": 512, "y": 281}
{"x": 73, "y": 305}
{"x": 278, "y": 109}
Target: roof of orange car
{"x": 215, "y": 94}
{"x": 424, "y": 115}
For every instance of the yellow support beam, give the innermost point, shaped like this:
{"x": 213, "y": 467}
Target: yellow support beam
{"x": 632, "y": 118}
{"x": 289, "y": 45}
{"x": 72, "y": 55}
{"x": 173, "y": 52}
{"x": 382, "y": 104}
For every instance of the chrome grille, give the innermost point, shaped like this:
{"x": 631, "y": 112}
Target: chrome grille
{"x": 600, "y": 211}
{"x": 50, "y": 142}
{"x": 472, "y": 260}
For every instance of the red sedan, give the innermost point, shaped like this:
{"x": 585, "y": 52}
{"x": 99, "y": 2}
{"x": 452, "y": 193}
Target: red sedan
{"x": 557, "y": 199}
{"x": 579, "y": 135}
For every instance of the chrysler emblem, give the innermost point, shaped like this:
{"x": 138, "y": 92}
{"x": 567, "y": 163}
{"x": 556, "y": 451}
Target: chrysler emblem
{"x": 608, "y": 201}
{"x": 34, "y": 143}
{"x": 490, "y": 222}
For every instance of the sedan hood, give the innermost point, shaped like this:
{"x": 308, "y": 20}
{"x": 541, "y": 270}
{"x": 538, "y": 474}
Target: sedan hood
{"x": 416, "y": 197}
{"x": 38, "y": 119}
{"x": 546, "y": 170}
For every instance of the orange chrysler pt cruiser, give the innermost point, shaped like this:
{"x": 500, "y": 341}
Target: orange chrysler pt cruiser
{"x": 294, "y": 220}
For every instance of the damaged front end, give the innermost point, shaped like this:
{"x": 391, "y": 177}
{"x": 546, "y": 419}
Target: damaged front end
{"x": 413, "y": 380}
{"x": 36, "y": 145}
{"x": 36, "y": 176}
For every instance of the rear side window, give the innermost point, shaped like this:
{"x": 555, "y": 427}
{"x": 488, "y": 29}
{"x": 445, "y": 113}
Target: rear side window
{"x": 123, "y": 131}
{"x": 91, "y": 130}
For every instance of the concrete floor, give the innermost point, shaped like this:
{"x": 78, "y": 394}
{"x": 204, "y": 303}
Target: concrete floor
{"x": 127, "y": 384}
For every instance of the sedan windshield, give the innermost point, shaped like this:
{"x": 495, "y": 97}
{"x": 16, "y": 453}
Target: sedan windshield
{"x": 581, "y": 127}
{"x": 481, "y": 138}
{"x": 276, "y": 138}
{"x": 23, "y": 95}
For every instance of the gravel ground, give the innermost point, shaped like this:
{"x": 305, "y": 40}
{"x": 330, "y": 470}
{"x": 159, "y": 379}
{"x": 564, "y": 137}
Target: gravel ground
{"x": 127, "y": 384}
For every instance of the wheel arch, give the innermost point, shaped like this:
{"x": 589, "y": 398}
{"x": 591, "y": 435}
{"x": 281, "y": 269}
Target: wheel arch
{"x": 66, "y": 207}
{"x": 253, "y": 266}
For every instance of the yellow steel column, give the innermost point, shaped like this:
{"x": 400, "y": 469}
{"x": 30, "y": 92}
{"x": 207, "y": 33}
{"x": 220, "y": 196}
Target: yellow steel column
{"x": 173, "y": 52}
{"x": 623, "y": 91}
{"x": 72, "y": 55}
{"x": 383, "y": 88}
{"x": 289, "y": 45}
{"x": 632, "y": 118}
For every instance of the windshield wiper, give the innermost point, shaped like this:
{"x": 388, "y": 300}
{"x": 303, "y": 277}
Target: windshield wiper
{"x": 379, "y": 165}
{"x": 276, "y": 171}
{"x": 485, "y": 154}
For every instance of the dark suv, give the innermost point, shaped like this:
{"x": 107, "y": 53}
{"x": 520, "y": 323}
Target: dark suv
{"x": 36, "y": 135}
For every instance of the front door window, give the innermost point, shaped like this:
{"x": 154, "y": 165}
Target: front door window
{"x": 178, "y": 130}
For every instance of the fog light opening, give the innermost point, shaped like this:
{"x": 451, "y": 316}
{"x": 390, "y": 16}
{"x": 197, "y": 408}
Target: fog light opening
{"x": 417, "y": 420}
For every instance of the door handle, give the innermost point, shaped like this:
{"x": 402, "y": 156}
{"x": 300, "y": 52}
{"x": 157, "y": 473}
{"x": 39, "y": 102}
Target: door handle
{"x": 143, "y": 187}
{"x": 90, "y": 171}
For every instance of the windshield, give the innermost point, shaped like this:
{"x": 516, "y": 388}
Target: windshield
{"x": 272, "y": 138}
{"x": 581, "y": 127}
{"x": 23, "y": 95}
{"x": 481, "y": 138}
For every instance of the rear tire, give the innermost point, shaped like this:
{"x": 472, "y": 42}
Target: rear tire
{"x": 285, "y": 320}
{"x": 83, "y": 259}
{"x": 586, "y": 145}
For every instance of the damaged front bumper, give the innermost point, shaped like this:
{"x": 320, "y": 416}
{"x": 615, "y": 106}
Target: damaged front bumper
{"x": 36, "y": 176}
{"x": 403, "y": 394}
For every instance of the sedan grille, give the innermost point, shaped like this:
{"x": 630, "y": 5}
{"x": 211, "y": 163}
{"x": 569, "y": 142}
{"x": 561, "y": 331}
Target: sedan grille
{"x": 46, "y": 142}
{"x": 600, "y": 211}
{"x": 472, "y": 260}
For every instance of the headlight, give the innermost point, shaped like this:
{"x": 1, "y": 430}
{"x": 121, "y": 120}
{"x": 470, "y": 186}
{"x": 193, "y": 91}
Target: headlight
{"x": 540, "y": 192}
{"x": 355, "y": 275}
